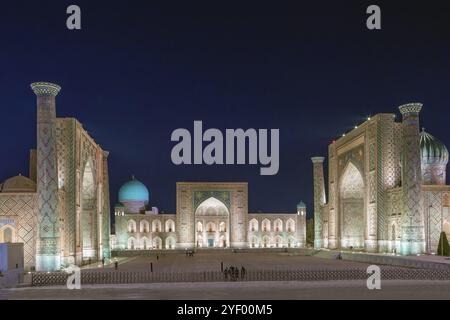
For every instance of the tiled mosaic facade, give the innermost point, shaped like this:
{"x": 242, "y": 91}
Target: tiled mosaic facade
{"x": 209, "y": 215}
{"x": 49, "y": 219}
{"x": 377, "y": 200}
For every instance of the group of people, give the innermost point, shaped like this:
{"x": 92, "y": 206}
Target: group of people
{"x": 189, "y": 253}
{"x": 232, "y": 273}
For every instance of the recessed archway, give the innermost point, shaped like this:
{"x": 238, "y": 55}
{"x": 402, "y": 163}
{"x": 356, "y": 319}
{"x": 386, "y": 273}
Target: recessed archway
{"x": 88, "y": 216}
{"x": 212, "y": 224}
{"x": 351, "y": 196}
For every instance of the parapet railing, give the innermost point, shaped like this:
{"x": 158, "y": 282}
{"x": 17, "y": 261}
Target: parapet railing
{"x": 128, "y": 277}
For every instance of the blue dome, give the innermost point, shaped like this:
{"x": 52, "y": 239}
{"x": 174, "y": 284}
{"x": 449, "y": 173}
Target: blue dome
{"x": 133, "y": 190}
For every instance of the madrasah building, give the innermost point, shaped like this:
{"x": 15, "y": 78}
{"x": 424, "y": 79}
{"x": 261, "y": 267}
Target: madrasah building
{"x": 387, "y": 188}
{"x": 208, "y": 215}
{"x": 61, "y": 211}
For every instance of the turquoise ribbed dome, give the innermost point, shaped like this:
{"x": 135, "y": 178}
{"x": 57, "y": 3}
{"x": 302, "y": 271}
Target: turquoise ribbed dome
{"x": 432, "y": 150}
{"x": 133, "y": 190}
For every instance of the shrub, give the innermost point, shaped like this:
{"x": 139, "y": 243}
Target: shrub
{"x": 443, "y": 247}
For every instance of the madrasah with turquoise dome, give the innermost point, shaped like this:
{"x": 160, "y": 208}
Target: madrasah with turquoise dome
{"x": 387, "y": 192}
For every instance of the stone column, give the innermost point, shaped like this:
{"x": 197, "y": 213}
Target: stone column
{"x": 413, "y": 236}
{"x": 48, "y": 241}
{"x": 319, "y": 199}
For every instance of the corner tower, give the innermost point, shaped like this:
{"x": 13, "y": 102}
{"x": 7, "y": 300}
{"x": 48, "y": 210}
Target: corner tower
{"x": 412, "y": 223}
{"x": 48, "y": 246}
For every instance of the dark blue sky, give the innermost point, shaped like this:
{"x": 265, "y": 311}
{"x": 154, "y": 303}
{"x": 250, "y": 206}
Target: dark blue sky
{"x": 140, "y": 69}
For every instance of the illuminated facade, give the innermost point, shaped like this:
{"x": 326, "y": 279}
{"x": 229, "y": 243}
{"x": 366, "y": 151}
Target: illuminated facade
{"x": 209, "y": 215}
{"x": 386, "y": 188}
{"x": 61, "y": 211}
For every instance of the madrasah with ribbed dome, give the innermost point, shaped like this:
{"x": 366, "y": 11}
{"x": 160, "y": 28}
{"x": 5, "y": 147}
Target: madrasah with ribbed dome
{"x": 387, "y": 188}
{"x": 387, "y": 192}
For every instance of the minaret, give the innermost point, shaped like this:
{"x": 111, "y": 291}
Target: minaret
{"x": 301, "y": 224}
{"x": 48, "y": 253}
{"x": 319, "y": 199}
{"x": 413, "y": 232}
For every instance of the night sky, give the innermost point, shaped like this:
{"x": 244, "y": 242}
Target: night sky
{"x": 140, "y": 69}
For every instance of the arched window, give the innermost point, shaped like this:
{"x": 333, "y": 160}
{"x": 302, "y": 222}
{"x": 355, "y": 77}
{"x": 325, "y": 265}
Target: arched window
{"x": 291, "y": 242}
{"x": 290, "y": 225}
{"x": 157, "y": 243}
{"x": 170, "y": 243}
{"x": 222, "y": 227}
{"x": 278, "y": 225}
{"x": 145, "y": 243}
{"x": 199, "y": 227}
{"x": 131, "y": 243}
{"x": 210, "y": 227}
{"x": 156, "y": 226}
{"x": 266, "y": 225}
{"x": 266, "y": 241}
{"x": 199, "y": 241}
{"x": 144, "y": 226}
{"x": 131, "y": 226}
{"x": 254, "y": 242}
{"x": 7, "y": 234}
{"x": 170, "y": 226}
{"x": 253, "y": 225}
{"x": 223, "y": 241}
{"x": 278, "y": 241}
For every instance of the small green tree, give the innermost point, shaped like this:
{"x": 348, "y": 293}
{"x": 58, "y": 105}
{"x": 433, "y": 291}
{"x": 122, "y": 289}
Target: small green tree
{"x": 443, "y": 247}
{"x": 310, "y": 231}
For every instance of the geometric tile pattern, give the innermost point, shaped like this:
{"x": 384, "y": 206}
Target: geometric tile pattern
{"x": 398, "y": 215}
{"x": 433, "y": 218}
{"x": 47, "y": 180}
{"x": 21, "y": 208}
{"x": 412, "y": 220}
{"x": 319, "y": 199}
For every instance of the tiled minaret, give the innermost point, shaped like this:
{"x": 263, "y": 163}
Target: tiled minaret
{"x": 413, "y": 233}
{"x": 47, "y": 253}
{"x": 319, "y": 199}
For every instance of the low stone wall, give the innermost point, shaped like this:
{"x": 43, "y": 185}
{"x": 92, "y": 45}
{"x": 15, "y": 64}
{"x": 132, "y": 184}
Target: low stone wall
{"x": 126, "y": 277}
{"x": 380, "y": 259}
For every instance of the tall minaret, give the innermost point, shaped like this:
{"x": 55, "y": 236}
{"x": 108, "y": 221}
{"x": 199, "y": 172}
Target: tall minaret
{"x": 47, "y": 251}
{"x": 413, "y": 231}
{"x": 319, "y": 199}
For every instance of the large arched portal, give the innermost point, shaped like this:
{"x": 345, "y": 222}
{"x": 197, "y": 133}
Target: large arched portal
{"x": 214, "y": 215}
{"x": 351, "y": 195}
{"x": 88, "y": 213}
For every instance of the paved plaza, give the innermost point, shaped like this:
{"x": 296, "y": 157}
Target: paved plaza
{"x": 266, "y": 290}
{"x": 211, "y": 261}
